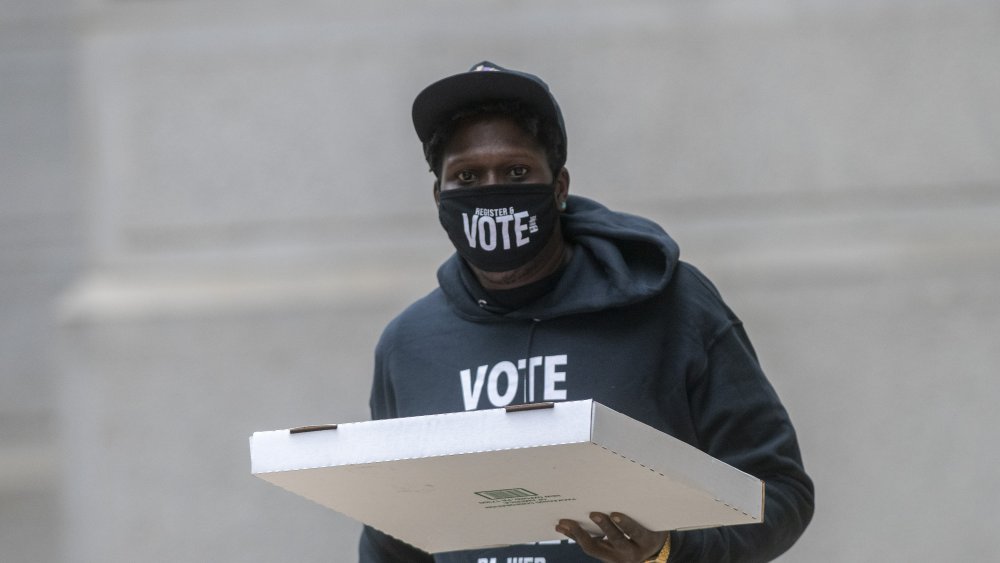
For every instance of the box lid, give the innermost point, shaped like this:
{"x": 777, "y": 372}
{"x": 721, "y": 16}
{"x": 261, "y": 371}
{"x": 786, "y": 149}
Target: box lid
{"x": 492, "y": 477}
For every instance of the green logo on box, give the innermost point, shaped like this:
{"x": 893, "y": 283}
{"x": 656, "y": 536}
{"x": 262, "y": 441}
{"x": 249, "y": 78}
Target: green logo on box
{"x": 506, "y": 494}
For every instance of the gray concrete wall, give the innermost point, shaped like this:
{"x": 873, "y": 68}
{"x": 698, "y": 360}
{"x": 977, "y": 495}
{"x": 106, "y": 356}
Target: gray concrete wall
{"x": 41, "y": 228}
{"x": 235, "y": 190}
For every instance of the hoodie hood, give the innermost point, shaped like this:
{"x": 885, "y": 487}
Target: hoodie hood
{"x": 618, "y": 259}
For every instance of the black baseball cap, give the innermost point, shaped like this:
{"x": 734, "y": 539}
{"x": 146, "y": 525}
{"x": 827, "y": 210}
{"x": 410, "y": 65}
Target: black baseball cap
{"x": 484, "y": 82}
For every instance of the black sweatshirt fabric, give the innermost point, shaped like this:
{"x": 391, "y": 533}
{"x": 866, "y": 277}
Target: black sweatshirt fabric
{"x": 628, "y": 325}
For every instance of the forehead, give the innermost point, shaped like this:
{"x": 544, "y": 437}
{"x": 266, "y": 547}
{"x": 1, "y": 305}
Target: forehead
{"x": 491, "y": 131}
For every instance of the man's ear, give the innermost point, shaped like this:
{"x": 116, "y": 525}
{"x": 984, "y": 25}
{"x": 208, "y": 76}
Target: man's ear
{"x": 437, "y": 192}
{"x": 562, "y": 185}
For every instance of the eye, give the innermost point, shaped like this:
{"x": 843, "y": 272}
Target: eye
{"x": 518, "y": 171}
{"x": 465, "y": 177}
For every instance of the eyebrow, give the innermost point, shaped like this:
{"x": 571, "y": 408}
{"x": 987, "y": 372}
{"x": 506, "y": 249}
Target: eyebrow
{"x": 525, "y": 155}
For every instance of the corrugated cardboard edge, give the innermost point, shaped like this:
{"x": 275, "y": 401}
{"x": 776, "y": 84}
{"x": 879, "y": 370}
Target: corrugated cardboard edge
{"x": 686, "y": 479}
{"x": 450, "y": 415}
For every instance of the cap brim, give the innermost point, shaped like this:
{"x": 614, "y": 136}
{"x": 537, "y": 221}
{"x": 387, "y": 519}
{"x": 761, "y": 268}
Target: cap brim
{"x": 441, "y": 100}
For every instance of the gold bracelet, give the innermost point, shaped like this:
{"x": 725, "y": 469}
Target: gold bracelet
{"x": 664, "y": 553}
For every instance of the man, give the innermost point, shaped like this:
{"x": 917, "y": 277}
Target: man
{"x": 553, "y": 297}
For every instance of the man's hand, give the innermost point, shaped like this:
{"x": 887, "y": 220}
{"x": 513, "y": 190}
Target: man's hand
{"x": 624, "y": 541}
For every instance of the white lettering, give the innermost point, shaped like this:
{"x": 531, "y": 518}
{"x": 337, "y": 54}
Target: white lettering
{"x": 520, "y": 228}
{"x": 470, "y": 229}
{"x": 497, "y": 212}
{"x": 472, "y": 390}
{"x": 552, "y": 377}
{"x": 510, "y": 371}
{"x": 503, "y": 223}
{"x": 506, "y": 379}
{"x": 481, "y": 228}
{"x": 521, "y": 365}
{"x": 487, "y": 222}
{"x": 533, "y": 362}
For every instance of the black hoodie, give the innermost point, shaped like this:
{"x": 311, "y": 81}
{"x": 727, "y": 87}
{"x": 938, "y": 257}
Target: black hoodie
{"x": 628, "y": 325}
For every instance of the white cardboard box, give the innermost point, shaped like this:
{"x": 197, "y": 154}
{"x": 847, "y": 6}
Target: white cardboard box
{"x": 492, "y": 477}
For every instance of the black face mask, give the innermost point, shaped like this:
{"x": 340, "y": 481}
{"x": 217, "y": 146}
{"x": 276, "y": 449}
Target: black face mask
{"x": 500, "y": 227}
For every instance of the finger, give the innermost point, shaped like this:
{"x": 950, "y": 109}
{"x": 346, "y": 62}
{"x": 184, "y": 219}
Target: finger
{"x": 589, "y": 544}
{"x": 630, "y": 527}
{"x": 646, "y": 541}
{"x": 611, "y": 531}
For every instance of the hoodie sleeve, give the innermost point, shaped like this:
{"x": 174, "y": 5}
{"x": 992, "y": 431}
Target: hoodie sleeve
{"x": 739, "y": 419}
{"x": 375, "y": 546}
